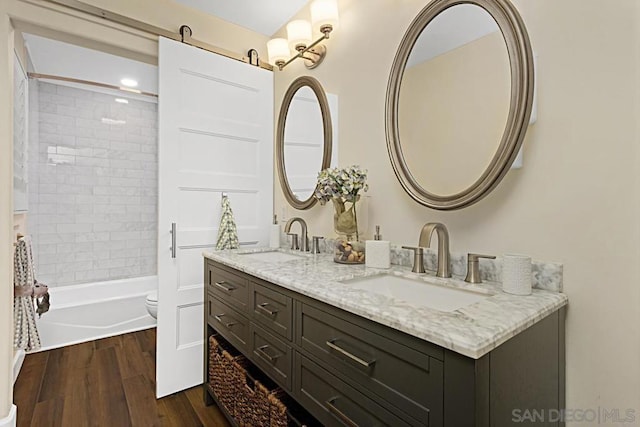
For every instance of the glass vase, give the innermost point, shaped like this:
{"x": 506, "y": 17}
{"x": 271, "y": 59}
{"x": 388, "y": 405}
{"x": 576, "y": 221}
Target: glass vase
{"x": 345, "y": 220}
{"x": 348, "y": 249}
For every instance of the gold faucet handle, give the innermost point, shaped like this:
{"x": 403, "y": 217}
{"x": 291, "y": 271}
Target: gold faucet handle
{"x": 473, "y": 267}
{"x": 418, "y": 258}
{"x": 315, "y": 244}
{"x": 475, "y": 257}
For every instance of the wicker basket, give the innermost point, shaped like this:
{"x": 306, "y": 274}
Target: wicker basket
{"x": 249, "y": 396}
{"x": 254, "y": 407}
{"x": 258, "y": 401}
{"x": 278, "y": 410}
{"x": 221, "y": 369}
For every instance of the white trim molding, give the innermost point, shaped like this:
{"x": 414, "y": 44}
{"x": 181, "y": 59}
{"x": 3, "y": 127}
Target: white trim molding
{"x": 9, "y": 420}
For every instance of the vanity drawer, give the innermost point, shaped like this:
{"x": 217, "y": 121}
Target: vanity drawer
{"x": 272, "y": 355}
{"x": 228, "y": 322}
{"x": 272, "y": 309}
{"x": 408, "y": 379}
{"x": 333, "y": 402}
{"x": 230, "y": 287}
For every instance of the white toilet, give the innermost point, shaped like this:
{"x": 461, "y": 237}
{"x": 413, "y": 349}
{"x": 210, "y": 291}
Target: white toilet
{"x": 152, "y": 304}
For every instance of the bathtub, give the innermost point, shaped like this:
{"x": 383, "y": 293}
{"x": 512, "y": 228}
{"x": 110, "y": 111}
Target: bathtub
{"x": 86, "y": 312}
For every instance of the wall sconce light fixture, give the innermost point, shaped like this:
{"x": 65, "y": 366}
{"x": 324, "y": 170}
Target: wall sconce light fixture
{"x": 324, "y": 17}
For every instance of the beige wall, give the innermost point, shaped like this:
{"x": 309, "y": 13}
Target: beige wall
{"x": 6, "y": 216}
{"x": 20, "y": 48}
{"x": 576, "y": 199}
{"x": 46, "y": 19}
{"x": 470, "y": 85}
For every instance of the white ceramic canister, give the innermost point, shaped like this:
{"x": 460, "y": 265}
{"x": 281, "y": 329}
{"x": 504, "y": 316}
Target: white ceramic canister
{"x": 516, "y": 274}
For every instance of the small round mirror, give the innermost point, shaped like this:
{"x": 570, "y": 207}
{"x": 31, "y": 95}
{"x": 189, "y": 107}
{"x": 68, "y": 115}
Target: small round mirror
{"x": 303, "y": 140}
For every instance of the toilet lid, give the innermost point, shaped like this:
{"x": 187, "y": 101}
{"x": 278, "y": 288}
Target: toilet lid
{"x": 153, "y": 297}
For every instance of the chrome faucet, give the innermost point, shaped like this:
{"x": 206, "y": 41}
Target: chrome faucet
{"x": 304, "y": 241}
{"x": 444, "y": 258}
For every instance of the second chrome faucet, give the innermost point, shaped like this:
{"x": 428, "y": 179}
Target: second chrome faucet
{"x": 304, "y": 241}
{"x": 444, "y": 258}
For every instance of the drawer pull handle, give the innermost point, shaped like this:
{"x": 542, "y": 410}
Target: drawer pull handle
{"x": 224, "y": 286}
{"x": 262, "y": 349}
{"x": 264, "y": 308}
{"x": 353, "y": 357}
{"x": 338, "y": 413}
{"x": 218, "y": 317}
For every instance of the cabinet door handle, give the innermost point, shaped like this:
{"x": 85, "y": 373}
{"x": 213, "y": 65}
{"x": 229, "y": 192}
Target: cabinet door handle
{"x": 264, "y": 308}
{"x": 223, "y": 285}
{"x": 367, "y": 364}
{"x": 218, "y": 317}
{"x": 262, "y": 351}
{"x": 330, "y": 404}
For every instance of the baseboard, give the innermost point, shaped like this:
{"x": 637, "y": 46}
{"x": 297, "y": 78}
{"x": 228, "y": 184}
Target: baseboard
{"x": 9, "y": 420}
{"x": 18, "y": 359}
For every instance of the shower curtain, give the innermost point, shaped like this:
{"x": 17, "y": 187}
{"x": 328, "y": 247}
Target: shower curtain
{"x": 24, "y": 317}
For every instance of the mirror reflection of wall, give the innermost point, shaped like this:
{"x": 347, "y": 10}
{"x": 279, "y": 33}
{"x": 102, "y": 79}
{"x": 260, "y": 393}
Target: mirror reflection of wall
{"x": 454, "y": 99}
{"x": 304, "y": 141}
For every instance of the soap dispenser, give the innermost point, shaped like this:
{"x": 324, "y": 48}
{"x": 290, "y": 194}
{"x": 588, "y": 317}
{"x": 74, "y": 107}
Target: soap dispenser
{"x": 378, "y": 251}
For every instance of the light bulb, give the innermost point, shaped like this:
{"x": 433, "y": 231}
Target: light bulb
{"x": 299, "y": 34}
{"x": 278, "y": 51}
{"x": 324, "y": 15}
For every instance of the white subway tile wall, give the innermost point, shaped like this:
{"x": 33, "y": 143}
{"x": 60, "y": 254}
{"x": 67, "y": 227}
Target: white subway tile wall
{"x": 93, "y": 185}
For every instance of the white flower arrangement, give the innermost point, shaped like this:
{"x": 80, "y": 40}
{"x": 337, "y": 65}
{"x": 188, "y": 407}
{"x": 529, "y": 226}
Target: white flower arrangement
{"x": 343, "y": 184}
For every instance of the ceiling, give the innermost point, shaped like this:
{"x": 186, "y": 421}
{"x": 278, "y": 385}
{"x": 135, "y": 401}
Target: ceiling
{"x": 262, "y": 16}
{"x": 66, "y": 60}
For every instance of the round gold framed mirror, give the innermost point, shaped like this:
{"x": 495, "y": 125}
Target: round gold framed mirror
{"x": 303, "y": 140}
{"x": 459, "y": 100}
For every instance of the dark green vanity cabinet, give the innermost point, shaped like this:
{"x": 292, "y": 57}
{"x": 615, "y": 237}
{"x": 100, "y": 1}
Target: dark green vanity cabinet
{"x": 347, "y": 370}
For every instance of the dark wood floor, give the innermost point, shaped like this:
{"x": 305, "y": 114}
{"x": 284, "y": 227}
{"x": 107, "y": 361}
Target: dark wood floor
{"x": 108, "y": 382}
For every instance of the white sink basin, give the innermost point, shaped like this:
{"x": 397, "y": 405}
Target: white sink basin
{"x": 271, "y": 256}
{"x": 417, "y": 292}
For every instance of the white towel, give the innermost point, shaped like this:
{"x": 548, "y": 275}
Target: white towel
{"x": 227, "y": 233}
{"x": 25, "y": 330}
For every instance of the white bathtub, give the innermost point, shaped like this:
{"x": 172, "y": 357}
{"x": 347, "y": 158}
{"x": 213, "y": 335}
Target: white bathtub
{"x": 86, "y": 312}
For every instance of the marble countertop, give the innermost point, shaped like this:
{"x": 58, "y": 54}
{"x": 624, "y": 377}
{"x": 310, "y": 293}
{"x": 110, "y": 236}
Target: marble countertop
{"x": 473, "y": 330}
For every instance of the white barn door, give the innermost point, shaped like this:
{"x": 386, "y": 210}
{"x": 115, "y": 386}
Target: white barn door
{"x": 215, "y": 118}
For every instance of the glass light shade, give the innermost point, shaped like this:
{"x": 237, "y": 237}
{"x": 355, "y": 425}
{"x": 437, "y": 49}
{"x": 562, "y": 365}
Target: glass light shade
{"x": 299, "y": 33}
{"x": 278, "y": 50}
{"x": 323, "y": 13}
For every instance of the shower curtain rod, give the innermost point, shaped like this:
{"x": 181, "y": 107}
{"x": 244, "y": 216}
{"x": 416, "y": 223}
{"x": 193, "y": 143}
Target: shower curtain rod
{"x": 184, "y": 35}
{"x": 88, "y": 82}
